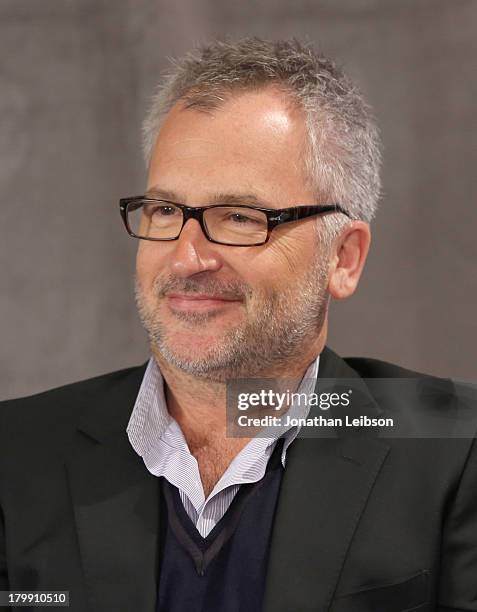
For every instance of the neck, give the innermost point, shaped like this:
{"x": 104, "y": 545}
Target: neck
{"x": 198, "y": 405}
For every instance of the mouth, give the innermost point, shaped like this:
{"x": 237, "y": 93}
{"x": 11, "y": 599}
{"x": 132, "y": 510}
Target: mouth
{"x": 199, "y": 302}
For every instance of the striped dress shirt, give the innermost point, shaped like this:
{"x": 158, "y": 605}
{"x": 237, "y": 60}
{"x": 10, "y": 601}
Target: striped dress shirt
{"x": 159, "y": 440}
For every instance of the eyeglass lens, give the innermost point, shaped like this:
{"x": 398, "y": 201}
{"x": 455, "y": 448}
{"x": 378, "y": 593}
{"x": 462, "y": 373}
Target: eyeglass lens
{"x": 226, "y": 224}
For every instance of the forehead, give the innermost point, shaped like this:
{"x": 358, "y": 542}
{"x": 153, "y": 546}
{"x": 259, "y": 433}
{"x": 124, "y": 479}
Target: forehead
{"x": 252, "y": 143}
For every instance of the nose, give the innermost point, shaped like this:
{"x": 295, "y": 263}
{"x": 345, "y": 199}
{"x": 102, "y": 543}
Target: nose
{"x": 193, "y": 253}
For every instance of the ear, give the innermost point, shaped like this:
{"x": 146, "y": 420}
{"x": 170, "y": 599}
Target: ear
{"x": 347, "y": 262}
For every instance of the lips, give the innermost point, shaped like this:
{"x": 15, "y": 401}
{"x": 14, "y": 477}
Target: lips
{"x": 201, "y": 296}
{"x": 198, "y": 301}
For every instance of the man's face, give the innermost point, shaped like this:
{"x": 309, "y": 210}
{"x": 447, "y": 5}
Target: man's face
{"x": 221, "y": 311}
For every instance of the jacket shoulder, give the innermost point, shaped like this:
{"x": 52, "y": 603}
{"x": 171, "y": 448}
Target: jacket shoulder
{"x": 55, "y": 412}
{"x": 72, "y": 392}
{"x": 443, "y": 396}
{"x": 376, "y": 368}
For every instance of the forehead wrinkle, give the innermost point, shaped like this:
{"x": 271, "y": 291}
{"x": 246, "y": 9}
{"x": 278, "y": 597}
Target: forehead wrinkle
{"x": 239, "y": 198}
{"x": 228, "y": 198}
{"x": 196, "y": 140}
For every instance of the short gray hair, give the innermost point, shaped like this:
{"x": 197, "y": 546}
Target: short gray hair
{"x": 342, "y": 157}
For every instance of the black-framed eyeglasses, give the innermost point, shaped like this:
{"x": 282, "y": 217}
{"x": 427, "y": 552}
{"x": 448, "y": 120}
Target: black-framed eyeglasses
{"x": 234, "y": 225}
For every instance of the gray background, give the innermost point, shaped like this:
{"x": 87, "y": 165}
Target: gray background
{"x": 75, "y": 77}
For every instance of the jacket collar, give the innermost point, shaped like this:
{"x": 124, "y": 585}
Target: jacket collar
{"x": 106, "y": 412}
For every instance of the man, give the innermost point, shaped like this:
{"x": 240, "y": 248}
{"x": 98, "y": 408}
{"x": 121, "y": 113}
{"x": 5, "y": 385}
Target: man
{"x": 127, "y": 491}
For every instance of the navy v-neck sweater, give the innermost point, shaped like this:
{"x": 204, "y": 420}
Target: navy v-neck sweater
{"x": 226, "y": 571}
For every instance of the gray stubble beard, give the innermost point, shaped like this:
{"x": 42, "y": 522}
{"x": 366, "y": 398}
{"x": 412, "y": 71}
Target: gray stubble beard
{"x": 284, "y": 323}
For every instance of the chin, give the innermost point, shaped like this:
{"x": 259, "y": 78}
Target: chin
{"x": 196, "y": 363}
{"x": 190, "y": 346}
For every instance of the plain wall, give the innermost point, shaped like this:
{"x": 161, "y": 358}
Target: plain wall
{"x": 75, "y": 79}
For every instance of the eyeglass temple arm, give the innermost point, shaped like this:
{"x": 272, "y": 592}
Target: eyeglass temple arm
{"x": 302, "y": 212}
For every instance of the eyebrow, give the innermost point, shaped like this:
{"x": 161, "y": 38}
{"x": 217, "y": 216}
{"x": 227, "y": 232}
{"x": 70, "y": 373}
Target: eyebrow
{"x": 217, "y": 198}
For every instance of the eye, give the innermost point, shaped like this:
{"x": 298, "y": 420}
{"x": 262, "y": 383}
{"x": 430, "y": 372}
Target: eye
{"x": 239, "y": 218}
{"x": 164, "y": 211}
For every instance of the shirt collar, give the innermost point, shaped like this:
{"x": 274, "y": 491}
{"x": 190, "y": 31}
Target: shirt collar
{"x": 150, "y": 417}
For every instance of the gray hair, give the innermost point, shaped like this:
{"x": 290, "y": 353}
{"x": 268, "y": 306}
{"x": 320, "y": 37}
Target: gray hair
{"x": 342, "y": 157}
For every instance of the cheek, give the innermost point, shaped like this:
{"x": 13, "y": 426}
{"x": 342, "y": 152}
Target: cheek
{"x": 149, "y": 263}
{"x": 285, "y": 257}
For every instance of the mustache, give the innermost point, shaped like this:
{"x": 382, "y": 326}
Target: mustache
{"x": 227, "y": 289}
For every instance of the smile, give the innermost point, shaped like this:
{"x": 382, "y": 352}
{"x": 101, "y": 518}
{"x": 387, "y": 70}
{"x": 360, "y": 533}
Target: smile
{"x": 198, "y": 302}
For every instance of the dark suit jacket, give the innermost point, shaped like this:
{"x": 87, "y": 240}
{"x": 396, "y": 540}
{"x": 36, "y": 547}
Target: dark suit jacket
{"x": 362, "y": 523}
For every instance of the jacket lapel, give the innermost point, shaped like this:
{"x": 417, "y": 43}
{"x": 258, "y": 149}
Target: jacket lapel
{"x": 324, "y": 491}
{"x": 116, "y": 507}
